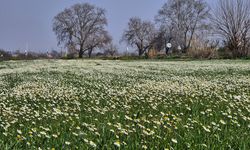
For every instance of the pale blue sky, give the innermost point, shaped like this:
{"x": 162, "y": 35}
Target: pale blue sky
{"x": 30, "y": 21}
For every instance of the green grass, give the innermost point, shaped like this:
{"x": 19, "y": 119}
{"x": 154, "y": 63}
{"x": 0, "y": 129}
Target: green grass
{"x": 97, "y": 104}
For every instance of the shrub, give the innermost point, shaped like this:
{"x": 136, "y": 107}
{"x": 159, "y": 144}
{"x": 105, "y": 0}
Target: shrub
{"x": 200, "y": 53}
{"x": 4, "y": 55}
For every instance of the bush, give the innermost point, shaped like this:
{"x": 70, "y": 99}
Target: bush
{"x": 201, "y": 53}
{"x": 225, "y": 53}
{"x": 4, "y": 55}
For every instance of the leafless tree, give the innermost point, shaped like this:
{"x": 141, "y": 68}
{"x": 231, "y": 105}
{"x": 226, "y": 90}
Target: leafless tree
{"x": 140, "y": 34}
{"x": 165, "y": 36}
{"x": 75, "y": 25}
{"x": 97, "y": 40}
{"x": 110, "y": 49}
{"x": 185, "y": 17}
{"x": 232, "y": 22}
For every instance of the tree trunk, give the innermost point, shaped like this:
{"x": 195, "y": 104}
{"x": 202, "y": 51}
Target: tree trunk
{"x": 90, "y": 52}
{"x": 185, "y": 49}
{"x": 81, "y": 51}
{"x": 140, "y": 52}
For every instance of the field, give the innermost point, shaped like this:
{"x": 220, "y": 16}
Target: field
{"x": 97, "y": 104}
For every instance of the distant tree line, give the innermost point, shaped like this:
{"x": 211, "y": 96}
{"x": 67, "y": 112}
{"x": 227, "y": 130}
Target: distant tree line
{"x": 109, "y": 53}
{"x": 20, "y": 55}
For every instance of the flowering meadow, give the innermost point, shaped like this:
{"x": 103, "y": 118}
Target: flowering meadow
{"x": 99, "y": 104}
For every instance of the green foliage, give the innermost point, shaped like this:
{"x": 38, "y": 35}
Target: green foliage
{"x": 97, "y": 104}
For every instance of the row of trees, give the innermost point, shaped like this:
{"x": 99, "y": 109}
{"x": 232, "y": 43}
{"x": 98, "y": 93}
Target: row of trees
{"x": 178, "y": 21}
{"x": 20, "y": 55}
{"x": 182, "y": 23}
{"x": 50, "y": 54}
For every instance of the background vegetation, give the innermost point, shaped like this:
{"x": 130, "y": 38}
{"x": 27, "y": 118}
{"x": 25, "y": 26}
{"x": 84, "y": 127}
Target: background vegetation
{"x": 191, "y": 26}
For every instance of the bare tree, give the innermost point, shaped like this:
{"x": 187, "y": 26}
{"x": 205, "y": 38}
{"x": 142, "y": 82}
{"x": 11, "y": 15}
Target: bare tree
{"x": 75, "y": 25}
{"x": 165, "y": 36}
{"x": 232, "y": 22}
{"x": 97, "y": 40}
{"x": 185, "y": 17}
{"x": 110, "y": 49}
{"x": 140, "y": 34}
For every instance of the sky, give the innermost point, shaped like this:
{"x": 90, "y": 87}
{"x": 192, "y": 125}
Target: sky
{"x": 28, "y": 23}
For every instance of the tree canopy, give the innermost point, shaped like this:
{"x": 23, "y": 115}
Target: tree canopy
{"x": 81, "y": 26}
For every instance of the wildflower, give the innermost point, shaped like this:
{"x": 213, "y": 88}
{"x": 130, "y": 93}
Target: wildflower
{"x": 222, "y": 122}
{"x": 213, "y": 123}
{"x": 206, "y": 129}
{"x": 91, "y": 143}
{"x": 144, "y": 147}
{"x": 166, "y": 118}
{"x": 19, "y": 137}
{"x": 19, "y": 131}
{"x": 86, "y": 141}
{"x": 117, "y": 143}
{"x": 43, "y": 133}
{"x": 128, "y": 118}
{"x": 55, "y": 135}
{"x": 75, "y": 134}
{"x": 67, "y": 143}
{"x": 174, "y": 141}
